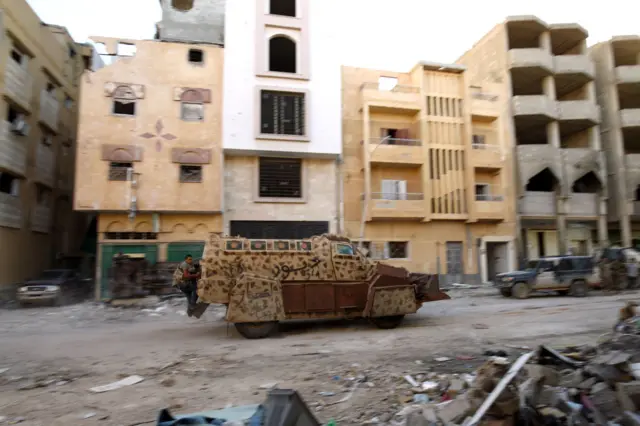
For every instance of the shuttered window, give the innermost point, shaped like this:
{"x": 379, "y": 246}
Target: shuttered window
{"x": 280, "y": 177}
{"x": 282, "y": 113}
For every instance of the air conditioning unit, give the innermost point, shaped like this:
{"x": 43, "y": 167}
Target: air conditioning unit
{"x": 20, "y": 126}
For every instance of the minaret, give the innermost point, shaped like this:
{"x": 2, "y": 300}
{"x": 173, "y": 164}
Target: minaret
{"x": 192, "y": 21}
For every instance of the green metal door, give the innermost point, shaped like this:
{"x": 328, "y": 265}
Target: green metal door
{"x": 109, "y": 251}
{"x": 177, "y": 251}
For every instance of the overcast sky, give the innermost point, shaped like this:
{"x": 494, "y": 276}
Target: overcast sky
{"x": 380, "y": 34}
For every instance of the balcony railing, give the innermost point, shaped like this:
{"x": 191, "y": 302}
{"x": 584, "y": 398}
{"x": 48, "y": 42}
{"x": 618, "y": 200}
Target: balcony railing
{"x": 408, "y": 206}
{"x": 18, "y": 83}
{"x": 13, "y": 150}
{"x": 10, "y": 211}
{"x": 535, "y": 203}
{"x": 628, "y": 74}
{"x": 398, "y": 88}
{"x": 630, "y": 117}
{"x": 580, "y": 204}
{"x": 395, "y": 141}
{"x": 485, "y": 147}
{"x": 531, "y": 58}
{"x": 489, "y": 197}
{"x": 399, "y": 96}
{"x": 49, "y": 109}
{"x": 397, "y": 196}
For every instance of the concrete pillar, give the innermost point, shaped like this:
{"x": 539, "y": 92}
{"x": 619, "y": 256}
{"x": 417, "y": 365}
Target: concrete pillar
{"x": 595, "y": 141}
{"x": 625, "y": 221}
{"x": 553, "y": 134}
{"x": 591, "y": 91}
{"x": 545, "y": 41}
{"x": 549, "y": 87}
{"x": 603, "y": 234}
{"x": 561, "y": 223}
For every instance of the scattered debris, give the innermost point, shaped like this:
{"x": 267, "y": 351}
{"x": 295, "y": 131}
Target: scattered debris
{"x": 442, "y": 359}
{"x": 480, "y": 326}
{"x": 269, "y": 386}
{"x": 131, "y": 380}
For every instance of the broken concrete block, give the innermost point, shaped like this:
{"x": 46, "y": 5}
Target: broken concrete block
{"x": 571, "y": 378}
{"x": 605, "y": 400}
{"x": 587, "y": 384}
{"x": 629, "y": 396}
{"x": 454, "y": 411}
{"x": 551, "y": 376}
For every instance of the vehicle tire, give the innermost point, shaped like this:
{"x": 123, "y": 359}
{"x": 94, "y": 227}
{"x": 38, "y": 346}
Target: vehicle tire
{"x": 579, "y": 288}
{"x": 520, "y": 291}
{"x": 506, "y": 292}
{"x": 563, "y": 292}
{"x": 387, "y": 323}
{"x": 256, "y": 330}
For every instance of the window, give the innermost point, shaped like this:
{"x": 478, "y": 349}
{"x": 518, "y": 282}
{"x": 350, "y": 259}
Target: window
{"x": 482, "y": 192}
{"x": 124, "y": 101}
{"x": 398, "y": 249}
{"x": 283, "y": 7}
{"x": 190, "y": 111}
{"x": 43, "y": 196}
{"x": 51, "y": 88}
{"x": 345, "y": 249}
{"x": 478, "y": 141}
{"x": 18, "y": 56}
{"x": 280, "y": 178}
{"x": 12, "y": 114}
{"x": 196, "y": 56}
{"x": 182, "y": 5}
{"x": 119, "y": 171}
{"x": 282, "y": 113}
{"x": 68, "y": 102}
{"x": 282, "y": 54}
{"x": 394, "y": 190}
{"x": 190, "y": 173}
{"x": 9, "y": 184}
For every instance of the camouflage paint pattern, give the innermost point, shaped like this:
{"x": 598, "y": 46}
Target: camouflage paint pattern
{"x": 255, "y": 299}
{"x": 390, "y": 301}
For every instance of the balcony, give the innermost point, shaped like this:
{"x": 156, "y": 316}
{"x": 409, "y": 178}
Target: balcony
{"x": 10, "y": 211}
{"x": 574, "y": 65}
{"x": 533, "y": 158}
{"x": 484, "y": 106}
{"x": 45, "y": 165}
{"x": 587, "y": 112}
{"x": 397, "y": 206}
{"x": 397, "y": 98}
{"x": 391, "y": 151}
{"x": 577, "y": 160}
{"x": 490, "y": 207}
{"x": 486, "y": 156}
{"x": 583, "y": 205}
{"x": 18, "y": 84}
{"x": 628, "y": 74}
{"x": 13, "y": 150}
{"x": 41, "y": 219}
{"x": 630, "y": 118}
{"x": 538, "y": 60}
{"x": 49, "y": 109}
{"x": 537, "y": 204}
{"x": 534, "y": 106}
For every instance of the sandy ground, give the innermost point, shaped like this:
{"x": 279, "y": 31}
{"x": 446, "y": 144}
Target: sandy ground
{"x": 54, "y": 355}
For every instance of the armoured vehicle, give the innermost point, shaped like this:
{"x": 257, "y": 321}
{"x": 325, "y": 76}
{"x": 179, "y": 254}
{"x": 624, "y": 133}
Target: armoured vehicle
{"x": 265, "y": 281}
{"x": 564, "y": 274}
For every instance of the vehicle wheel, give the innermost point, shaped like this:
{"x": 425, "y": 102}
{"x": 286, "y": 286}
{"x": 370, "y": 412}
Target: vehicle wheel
{"x": 520, "y": 291}
{"x": 563, "y": 292}
{"x": 579, "y": 288}
{"x": 387, "y": 323}
{"x": 506, "y": 292}
{"x": 256, "y": 330}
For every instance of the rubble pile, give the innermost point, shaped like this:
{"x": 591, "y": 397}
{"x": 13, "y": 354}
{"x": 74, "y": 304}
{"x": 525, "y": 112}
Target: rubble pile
{"x": 594, "y": 385}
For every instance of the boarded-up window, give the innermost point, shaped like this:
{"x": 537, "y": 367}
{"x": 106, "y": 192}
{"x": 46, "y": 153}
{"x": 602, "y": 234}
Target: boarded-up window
{"x": 190, "y": 173}
{"x": 192, "y": 111}
{"x": 280, "y": 177}
{"x": 119, "y": 171}
{"x": 282, "y": 113}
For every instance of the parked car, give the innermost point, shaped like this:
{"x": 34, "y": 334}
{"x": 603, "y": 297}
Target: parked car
{"x": 54, "y": 286}
{"x": 565, "y": 274}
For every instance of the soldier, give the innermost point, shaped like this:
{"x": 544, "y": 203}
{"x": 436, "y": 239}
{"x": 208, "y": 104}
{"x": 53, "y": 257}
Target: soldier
{"x": 185, "y": 278}
{"x": 619, "y": 273}
{"x": 605, "y": 274}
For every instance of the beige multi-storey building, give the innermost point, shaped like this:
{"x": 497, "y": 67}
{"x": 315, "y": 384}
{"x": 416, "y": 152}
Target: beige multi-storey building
{"x": 39, "y": 77}
{"x": 149, "y": 158}
{"x": 618, "y": 89}
{"x": 427, "y": 171}
{"x": 546, "y": 81}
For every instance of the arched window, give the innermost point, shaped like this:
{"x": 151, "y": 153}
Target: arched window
{"x": 192, "y": 106}
{"x": 282, "y": 7}
{"x": 282, "y": 54}
{"x": 182, "y": 5}
{"x": 124, "y": 101}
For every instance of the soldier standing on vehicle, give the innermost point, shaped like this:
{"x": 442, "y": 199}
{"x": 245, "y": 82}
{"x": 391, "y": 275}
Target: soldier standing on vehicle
{"x": 605, "y": 274}
{"x": 632, "y": 273}
{"x": 618, "y": 273}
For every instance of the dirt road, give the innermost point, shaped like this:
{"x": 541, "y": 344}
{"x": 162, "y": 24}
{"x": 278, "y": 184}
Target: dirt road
{"x": 54, "y": 355}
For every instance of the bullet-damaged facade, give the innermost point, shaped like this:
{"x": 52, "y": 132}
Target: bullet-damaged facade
{"x": 617, "y": 64}
{"x": 546, "y": 79}
{"x": 40, "y": 68}
{"x": 282, "y": 137}
{"x": 427, "y": 171}
{"x": 149, "y": 158}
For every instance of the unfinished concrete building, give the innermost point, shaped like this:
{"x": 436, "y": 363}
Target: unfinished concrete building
{"x": 547, "y": 78}
{"x": 192, "y": 21}
{"x": 618, "y": 89}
